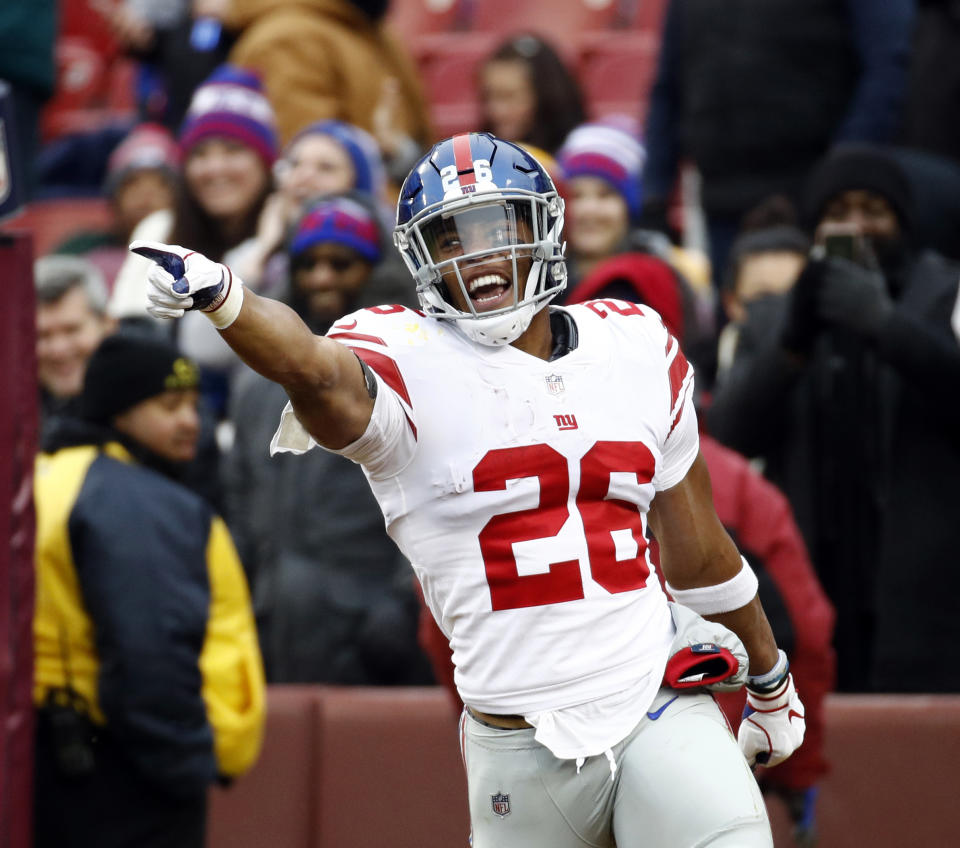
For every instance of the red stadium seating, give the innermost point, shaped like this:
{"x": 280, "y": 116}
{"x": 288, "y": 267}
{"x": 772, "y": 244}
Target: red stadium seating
{"x": 412, "y": 19}
{"x": 51, "y": 221}
{"x": 617, "y": 73}
{"x": 561, "y": 23}
{"x": 371, "y": 767}
{"x": 449, "y": 73}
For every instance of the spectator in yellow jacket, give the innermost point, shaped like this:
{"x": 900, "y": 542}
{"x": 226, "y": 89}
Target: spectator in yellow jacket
{"x": 148, "y": 682}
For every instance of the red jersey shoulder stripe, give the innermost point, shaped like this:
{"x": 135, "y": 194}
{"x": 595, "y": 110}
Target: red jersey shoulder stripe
{"x": 677, "y": 371}
{"x": 387, "y": 369}
{"x": 359, "y": 337}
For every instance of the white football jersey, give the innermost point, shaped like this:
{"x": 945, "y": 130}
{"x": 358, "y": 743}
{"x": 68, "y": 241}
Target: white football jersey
{"x": 518, "y": 489}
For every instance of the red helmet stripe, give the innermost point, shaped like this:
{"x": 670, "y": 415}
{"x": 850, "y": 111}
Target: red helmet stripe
{"x": 463, "y": 159}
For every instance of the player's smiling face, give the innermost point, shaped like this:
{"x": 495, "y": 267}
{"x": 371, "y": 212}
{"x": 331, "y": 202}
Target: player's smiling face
{"x": 487, "y": 279}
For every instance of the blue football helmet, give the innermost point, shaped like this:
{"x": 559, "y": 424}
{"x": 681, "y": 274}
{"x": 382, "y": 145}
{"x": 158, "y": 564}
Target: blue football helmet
{"x": 470, "y": 209}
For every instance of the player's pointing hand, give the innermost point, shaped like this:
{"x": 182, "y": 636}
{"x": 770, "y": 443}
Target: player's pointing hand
{"x": 183, "y": 280}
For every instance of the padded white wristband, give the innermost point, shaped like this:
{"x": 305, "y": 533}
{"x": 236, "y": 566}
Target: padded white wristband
{"x": 722, "y": 597}
{"x": 225, "y": 308}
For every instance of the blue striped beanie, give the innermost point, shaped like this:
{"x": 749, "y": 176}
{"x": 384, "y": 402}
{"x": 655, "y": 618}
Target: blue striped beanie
{"x": 230, "y": 103}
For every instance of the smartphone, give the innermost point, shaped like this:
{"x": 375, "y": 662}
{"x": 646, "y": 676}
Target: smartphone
{"x": 842, "y": 245}
{"x": 843, "y": 241}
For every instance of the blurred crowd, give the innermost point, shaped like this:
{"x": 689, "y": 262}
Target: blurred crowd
{"x": 787, "y": 196}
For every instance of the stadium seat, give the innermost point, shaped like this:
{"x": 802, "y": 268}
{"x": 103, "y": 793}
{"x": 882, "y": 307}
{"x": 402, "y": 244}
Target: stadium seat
{"x": 51, "y": 221}
{"x": 560, "y": 23}
{"x": 617, "y": 73}
{"x": 449, "y": 73}
{"x": 412, "y": 19}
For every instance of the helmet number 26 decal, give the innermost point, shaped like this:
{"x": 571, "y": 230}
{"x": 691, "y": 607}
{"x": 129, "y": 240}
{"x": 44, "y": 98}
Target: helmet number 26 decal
{"x": 452, "y": 178}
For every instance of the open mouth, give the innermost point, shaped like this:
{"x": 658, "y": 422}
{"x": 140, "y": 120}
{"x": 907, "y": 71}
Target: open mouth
{"x": 489, "y": 291}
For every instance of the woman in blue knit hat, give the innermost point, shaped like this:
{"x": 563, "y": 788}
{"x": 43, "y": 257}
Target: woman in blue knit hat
{"x": 326, "y": 157}
{"x": 602, "y": 163}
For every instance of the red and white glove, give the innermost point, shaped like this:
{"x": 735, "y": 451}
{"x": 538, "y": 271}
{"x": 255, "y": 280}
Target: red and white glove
{"x": 774, "y": 720}
{"x": 704, "y": 654}
{"x": 184, "y": 280}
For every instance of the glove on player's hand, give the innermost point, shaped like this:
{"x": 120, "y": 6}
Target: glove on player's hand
{"x": 183, "y": 280}
{"x": 773, "y": 724}
{"x": 704, "y": 654}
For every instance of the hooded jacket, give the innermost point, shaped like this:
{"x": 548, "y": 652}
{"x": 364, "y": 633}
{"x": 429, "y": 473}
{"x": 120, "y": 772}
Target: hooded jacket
{"x": 863, "y": 441}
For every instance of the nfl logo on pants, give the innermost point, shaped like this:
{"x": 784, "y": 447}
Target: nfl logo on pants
{"x": 500, "y": 804}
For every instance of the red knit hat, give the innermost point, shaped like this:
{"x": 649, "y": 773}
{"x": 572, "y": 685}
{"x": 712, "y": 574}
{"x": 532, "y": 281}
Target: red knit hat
{"x": 230, "y": 103}
{"x": 147, "y": 147}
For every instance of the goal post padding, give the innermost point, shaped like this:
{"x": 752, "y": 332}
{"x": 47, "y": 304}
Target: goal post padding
{"x": 18, "y": 438}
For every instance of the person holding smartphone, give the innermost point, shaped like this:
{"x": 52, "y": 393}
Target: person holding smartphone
{"x": 847, "y": 394}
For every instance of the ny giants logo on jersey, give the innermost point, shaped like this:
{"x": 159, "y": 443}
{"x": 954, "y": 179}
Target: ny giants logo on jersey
{"x": 566, "y": 422}
{"x": 500, "y": 804}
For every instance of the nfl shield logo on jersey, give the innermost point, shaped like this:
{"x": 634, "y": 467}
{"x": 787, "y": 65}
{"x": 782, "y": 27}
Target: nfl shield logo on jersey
{"x": 554, "y": 384}
{"x": 500, "y": 804}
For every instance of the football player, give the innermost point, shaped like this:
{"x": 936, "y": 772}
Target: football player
{"x": 520, "y": 452}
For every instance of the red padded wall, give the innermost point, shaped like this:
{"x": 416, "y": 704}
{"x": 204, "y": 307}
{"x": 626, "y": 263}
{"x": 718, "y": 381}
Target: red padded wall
{"x": 18, "y": 428}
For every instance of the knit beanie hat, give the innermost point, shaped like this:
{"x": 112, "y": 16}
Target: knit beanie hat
{"x": 340, "y": 220}
{"x": 230, "y": 103}
{"x": 610, "y": 150}
{"x": 853, "y": 167}
{"x": 147, "y": 147}
{"x": 360, "y": 146}
{"x": 130, "y": 367}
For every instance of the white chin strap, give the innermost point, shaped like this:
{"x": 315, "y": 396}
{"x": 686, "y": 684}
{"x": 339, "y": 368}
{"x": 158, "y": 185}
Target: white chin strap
{"x": 506, "y": 327}
{"x": 499, "y": 330}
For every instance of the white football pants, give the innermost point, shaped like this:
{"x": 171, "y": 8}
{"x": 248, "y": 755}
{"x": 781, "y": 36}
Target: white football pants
{"x": 680, "y": 782}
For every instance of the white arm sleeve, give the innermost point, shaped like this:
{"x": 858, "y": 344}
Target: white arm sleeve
{"x": 384, "y": 449}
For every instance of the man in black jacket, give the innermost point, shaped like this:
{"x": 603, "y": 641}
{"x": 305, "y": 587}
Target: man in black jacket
{"x": 753, "y": 92}
{"x": 849, "y": 398}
